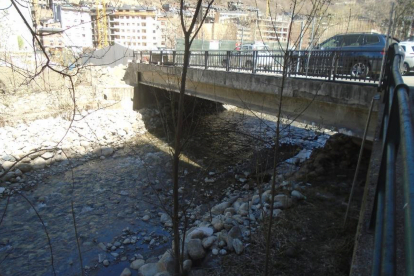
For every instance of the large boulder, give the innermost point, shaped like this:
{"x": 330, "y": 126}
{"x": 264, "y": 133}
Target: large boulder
{"x": 151, "y": 269}
{"x": 200, "y": 233}
{"x": 137, "y": 264}
{"x": 195, "y": 249}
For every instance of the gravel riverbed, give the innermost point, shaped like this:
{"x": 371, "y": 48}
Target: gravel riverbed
{"x": 115, "y": 176}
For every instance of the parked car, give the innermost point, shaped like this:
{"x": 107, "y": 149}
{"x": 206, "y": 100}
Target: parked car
{"x": 408, "y": 64}
{"x": 358, "y": 55}
{"x": 242, "y": 57}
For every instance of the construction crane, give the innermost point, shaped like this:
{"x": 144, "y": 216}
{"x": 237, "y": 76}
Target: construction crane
{"x": 268, "y": 8}
{"x": 101, "y": 24}
{"x": 36, "y": 14}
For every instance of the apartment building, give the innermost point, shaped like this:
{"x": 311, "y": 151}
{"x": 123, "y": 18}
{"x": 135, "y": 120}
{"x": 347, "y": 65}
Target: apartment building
{"x": 268, "y": 29}
{"x": 51, "y": 36}
{"x": 76, "y": 23}
{"x": 136, "y": 27}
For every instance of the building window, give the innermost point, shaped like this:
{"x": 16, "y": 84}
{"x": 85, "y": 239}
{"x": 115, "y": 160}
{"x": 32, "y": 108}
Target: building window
{"x": 144, "y": 37}
{"x": 153, "y": 31}
{"x": 154, "y": 38}
{"x": 144, "y": 44}
{"x": 144, "y": 31}
{"x": 143, "y": 17}
{"x": 83, "y": 35}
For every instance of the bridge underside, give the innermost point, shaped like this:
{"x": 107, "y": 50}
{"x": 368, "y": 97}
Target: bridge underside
{"x": 340, "y": 106}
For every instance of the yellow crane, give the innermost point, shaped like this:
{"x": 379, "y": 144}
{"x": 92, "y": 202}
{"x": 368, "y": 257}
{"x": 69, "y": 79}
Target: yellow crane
{"x": 101, "y": 24}
{"x": 36, "y": 14}
{"x": 268, "y": 8}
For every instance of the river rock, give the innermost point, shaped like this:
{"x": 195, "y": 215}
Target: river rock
{"x": 164, "y": 218}
{"x": 223, "y": 252}
{"x": 7, "y": 165}
{"x": 200, "y": 233}
{"x": 146, "y": 218}
{"x": 126, "y": 272}
{"x": 106, "y": 151}
{"x": 187, "y": 264}
{"x": 195, "y": 249}
{"x": 238, "y": 246}
{"x": 151, "y": 269}
{"x": 217, "y": 223}
{"x": 24, "y": 167}
{"x": 256, "y": 199}
{"x": 47, "y": 155}
{"x": 164, "y": 273}
{"x": 208, "y": 242}
{"x": 282, "y": 200}
{"x": 215, "y": 251}
{"x": 297, "y": 195}
{"x": 39, "y": 163}
{"x": 2, "y": 189}
{"x": 219, "y": 208}
{"x": 105, "y": 263}
{"x": 234, "y": 233}
{"x": 167, "y": 261}
{"x": 137, "y": 264}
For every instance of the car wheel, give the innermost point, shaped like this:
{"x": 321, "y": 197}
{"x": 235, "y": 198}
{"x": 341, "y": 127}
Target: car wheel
{"x": 405, "y": 69}
{"x": 359, "y": 69}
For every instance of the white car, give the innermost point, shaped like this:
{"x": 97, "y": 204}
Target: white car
{"x": 408, "y": 65}
{"x": 242, "y": 57}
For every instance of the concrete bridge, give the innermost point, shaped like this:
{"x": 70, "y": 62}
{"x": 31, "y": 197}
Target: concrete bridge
{"x": 342, "y": 106}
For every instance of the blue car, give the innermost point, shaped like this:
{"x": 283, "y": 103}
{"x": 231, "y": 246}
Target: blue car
{"x": 356, "y": 55}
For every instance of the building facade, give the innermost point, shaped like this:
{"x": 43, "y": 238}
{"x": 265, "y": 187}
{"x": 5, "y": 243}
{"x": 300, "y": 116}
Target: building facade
{"x": 76, "y": 25}
{"x": 136, "y": 27}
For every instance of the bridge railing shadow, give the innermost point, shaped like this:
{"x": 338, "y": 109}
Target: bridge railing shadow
{"x": 331, "y": 65}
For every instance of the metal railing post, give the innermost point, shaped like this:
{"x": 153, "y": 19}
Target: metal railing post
{"x": 174, "y": 54}
{"x": 206, "y": 60}
{"x": 140, "y": 53}
{"x": 254, "y": 62}
{"x": 162, "y": 58}
{"x": 150, "y": 61}
{"x": 228, "y": 61}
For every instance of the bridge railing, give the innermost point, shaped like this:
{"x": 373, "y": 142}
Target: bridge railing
{"x": 330, "y": 65}
{"x": 397, "y": 134}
